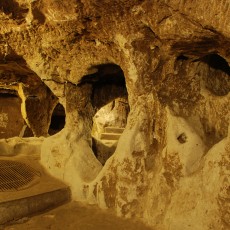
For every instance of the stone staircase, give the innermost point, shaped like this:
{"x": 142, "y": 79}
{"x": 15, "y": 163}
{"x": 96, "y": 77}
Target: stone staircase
{"x": 112, "y": 134}
{"x": 107, "y": 143}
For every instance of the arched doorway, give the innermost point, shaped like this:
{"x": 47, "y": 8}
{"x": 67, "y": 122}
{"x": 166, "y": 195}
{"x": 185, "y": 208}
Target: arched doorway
{"x": 110, "y": 101}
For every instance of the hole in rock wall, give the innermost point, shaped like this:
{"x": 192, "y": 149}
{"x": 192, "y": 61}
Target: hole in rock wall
{"x": 217, "y": 79}
{"x": 11, "y": 121}
{"x": 182, "y": 138}
{"x": 57, "y": 120}
{"x": 110, "y": 100}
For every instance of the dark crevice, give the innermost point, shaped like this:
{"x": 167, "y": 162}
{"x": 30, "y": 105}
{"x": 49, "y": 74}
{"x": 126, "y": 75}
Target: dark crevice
{"x": 57, "y": 120}
{"x": 182, "y": 58}
{"x": 8, "y": 93}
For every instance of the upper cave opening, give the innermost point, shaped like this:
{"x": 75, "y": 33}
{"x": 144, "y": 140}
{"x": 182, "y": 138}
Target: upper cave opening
{"x": 109, "y": 98}
{"x": 217, "y": 62}
{"x": 182, "y": 58}
{"x": 218, "y": 74}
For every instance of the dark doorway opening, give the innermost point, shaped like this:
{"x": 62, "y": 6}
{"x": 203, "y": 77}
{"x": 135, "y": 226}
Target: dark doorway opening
{"x": 57, "y": 120}
{"x": 110, "y": 101}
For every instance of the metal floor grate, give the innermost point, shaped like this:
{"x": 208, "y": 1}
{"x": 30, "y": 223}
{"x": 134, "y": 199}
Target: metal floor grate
{"x": 16, "y": 175}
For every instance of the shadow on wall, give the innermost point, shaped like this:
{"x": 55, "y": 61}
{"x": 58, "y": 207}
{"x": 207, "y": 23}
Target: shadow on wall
{"x": 110, "y": 101}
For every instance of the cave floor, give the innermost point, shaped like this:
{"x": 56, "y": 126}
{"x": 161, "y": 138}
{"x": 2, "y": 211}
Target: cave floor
{"x": 76, "y": 216}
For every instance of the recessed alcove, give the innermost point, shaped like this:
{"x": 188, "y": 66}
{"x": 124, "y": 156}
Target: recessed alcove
{"x": 57, "y": 120}
{"x": 110, "y": 101}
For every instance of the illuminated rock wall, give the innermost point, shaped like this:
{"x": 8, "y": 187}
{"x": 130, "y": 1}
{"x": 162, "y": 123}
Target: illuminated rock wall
{"x": 171, "y": 164}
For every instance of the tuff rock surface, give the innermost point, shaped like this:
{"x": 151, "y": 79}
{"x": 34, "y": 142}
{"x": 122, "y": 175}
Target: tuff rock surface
{"x": 171, "y": 164}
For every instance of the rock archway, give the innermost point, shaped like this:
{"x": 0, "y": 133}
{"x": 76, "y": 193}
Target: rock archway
{"x": 110, "y": 102}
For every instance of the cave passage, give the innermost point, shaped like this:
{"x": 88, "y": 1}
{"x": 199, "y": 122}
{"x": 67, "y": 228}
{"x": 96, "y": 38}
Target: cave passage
{"x": 110, "y": 101}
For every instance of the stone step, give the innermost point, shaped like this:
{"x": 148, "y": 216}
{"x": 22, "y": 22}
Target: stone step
{"x": 114, "y": 130}
{"x": 110, "y": 136}
{"x": 109, "y": 142}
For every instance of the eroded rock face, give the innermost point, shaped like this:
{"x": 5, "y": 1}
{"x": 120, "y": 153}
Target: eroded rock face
{"x": 171, "y": 165}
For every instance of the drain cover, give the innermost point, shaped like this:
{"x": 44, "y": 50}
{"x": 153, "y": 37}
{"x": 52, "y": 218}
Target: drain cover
{"x": 16, "y": 175}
